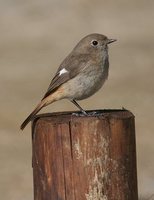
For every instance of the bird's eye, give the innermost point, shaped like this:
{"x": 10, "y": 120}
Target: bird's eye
{"x": 94, "y": 42}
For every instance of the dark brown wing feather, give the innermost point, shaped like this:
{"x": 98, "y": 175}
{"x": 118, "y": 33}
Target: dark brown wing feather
{"x": 56, "y": 82}
{"x": 74, "y": 64}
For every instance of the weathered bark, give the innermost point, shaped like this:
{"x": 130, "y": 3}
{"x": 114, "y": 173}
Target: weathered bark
{"x": 85, "y": 157}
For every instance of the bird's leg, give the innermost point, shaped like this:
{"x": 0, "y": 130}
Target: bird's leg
{"x": 75, "y": 103}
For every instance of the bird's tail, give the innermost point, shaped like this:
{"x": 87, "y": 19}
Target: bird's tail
{"x": 45, "y": 101}
{"x": 31, "y": 116}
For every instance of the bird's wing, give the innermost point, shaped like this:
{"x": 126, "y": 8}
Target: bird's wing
{"x": 69, "y": 68}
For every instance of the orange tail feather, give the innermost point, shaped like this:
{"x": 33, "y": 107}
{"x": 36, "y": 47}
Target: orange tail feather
{"x": 31, "y": 116}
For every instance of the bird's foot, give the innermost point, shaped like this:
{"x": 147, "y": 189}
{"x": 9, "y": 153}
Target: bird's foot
{"x": 82, "y": 113}
{"x": 88, "y": 114}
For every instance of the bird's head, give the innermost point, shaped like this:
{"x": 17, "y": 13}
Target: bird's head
{"x": 93, "y": 43}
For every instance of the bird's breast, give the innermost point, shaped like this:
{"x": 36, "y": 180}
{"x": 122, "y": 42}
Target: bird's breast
{"x": 86, "y": 83}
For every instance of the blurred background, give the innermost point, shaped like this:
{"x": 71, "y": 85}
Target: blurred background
{"x": 35, "y": 36}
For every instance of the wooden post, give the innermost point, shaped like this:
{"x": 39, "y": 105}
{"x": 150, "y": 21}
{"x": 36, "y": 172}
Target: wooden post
{"x": 79, "y": 157}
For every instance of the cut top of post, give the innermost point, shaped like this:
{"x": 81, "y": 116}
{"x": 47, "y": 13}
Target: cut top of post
{"x": 60, "y": 117}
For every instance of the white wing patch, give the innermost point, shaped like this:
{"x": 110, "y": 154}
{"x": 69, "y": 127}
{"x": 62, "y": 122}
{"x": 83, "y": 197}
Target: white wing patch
{"x": 62, "y": 71}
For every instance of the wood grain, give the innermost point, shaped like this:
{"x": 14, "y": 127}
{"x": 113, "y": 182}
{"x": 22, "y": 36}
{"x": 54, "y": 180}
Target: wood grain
{"x": 79, "y": 157}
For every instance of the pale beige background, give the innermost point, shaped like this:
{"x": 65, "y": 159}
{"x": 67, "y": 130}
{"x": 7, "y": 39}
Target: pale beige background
{"x": 35, "y": 36}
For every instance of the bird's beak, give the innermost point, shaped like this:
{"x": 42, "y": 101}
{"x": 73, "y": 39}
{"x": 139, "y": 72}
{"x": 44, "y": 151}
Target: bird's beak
{"x": 111, "y": 40}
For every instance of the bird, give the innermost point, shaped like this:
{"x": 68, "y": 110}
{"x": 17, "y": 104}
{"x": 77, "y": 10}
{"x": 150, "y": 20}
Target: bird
{"x": 81, "y": 74}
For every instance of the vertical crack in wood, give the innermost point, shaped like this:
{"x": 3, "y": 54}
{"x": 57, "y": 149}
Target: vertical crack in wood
{"x": 71, "y": 145}
{"x": 64, "y": 177}
{"x": 70, "y": 132}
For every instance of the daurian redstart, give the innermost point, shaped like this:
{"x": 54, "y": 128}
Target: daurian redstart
{"x": 80, "y": 75}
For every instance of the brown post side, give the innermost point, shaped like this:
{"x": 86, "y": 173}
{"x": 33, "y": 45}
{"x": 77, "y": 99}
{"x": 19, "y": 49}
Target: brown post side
{"x": 85, "y": 157}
